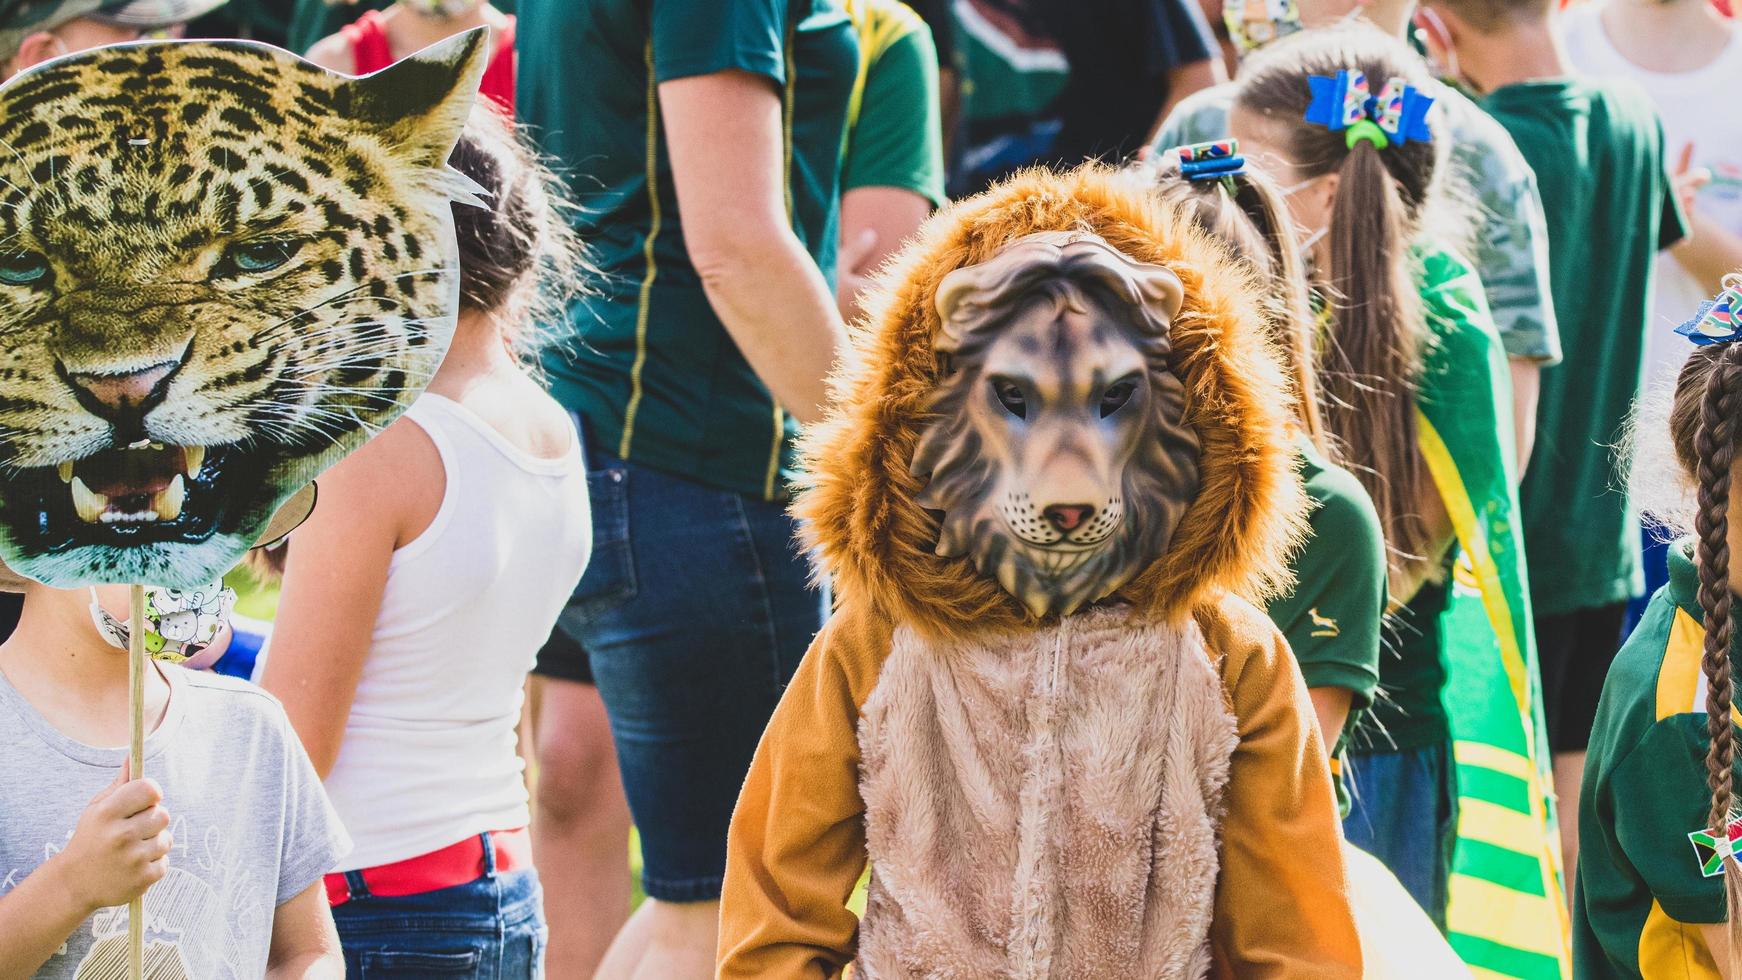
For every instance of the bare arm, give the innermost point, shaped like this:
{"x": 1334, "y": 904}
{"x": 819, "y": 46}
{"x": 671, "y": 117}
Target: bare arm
{"x": 1709, "y": 253}
{"x": 724, "y": 133}
{"x": 1331, "y": 705}
{"x": 335, "y": 575}
{"x": 1526, "y": 383}
{"x": 305, "y": 945}
{"x": 875, "y": 222}
{"x": 35, "y": 919}
{"x": 333, "y": 53}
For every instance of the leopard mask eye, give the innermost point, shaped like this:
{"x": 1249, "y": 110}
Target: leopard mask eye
{"x": 24, "y": 268}
{"x": 254, "y": 257}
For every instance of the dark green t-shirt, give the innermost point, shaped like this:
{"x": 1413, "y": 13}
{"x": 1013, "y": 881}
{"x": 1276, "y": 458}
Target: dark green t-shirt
{"x": 1331, "y": 619}
{"x": 894, "y": 137}
{"x": 1640, "y": 894}
{"x": 648, "y": 366}
{"x": 1597, "y": 149}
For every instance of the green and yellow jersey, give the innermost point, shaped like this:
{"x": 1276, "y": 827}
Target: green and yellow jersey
{"x": 894, "y": 136}
{"x": 1641, "y": 895}
{"x": 1332, "y": 617}
{"x": 646, "y": 363}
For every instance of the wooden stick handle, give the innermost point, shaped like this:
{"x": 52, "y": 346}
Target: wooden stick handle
{"x": 136, "y": 763}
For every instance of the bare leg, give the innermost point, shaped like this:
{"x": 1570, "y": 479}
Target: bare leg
{"x": 580, "y": 826}
{"x": 665, "y": 941}
{"x": 1569, "y": 772}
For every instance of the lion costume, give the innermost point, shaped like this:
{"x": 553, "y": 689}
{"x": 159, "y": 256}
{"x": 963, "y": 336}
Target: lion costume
{"x": 1058, "y": 765}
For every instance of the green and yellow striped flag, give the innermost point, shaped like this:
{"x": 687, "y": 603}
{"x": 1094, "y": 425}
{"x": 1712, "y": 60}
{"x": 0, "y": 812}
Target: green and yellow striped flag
{"x": 1508, "y": 914}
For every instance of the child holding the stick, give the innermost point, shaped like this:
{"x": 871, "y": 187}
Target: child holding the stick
{"x": 230, "y": 825}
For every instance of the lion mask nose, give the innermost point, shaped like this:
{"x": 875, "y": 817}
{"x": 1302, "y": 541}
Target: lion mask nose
{"x": 1068, "y": 517}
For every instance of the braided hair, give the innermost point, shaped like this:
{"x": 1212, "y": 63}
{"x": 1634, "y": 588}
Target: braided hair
{"x": 1705, "y": 435}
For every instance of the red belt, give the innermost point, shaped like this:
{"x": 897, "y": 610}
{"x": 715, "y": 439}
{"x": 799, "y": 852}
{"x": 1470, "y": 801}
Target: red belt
{"x": 456, "y": 864}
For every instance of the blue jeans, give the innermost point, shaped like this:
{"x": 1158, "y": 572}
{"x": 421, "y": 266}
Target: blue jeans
{"x": 694, "y": 612}
{"x": 489, "y": 929}
{"x": 1405, "y": 813}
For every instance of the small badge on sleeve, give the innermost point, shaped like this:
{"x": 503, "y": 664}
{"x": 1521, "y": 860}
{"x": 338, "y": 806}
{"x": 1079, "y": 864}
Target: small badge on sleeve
{"x": 1710, "y": 849}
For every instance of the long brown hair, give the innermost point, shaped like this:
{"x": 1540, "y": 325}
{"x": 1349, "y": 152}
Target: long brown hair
{"x": 1703, "y": 429}
{"x": 520, "y": 260}
{"x": 1370, "y": 359}
{"x": 1249, "y": 216}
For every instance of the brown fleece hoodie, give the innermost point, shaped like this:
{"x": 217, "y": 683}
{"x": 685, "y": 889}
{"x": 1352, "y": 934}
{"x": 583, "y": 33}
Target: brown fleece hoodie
{"x": 1136, "y": 790}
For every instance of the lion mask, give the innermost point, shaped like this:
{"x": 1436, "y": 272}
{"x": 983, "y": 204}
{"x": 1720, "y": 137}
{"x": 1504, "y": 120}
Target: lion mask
{"x": 1059, "y": 455}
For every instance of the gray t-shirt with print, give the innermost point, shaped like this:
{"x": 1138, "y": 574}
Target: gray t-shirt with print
{"x": 1511, "y": 234}
{"x": 251, "y": 825}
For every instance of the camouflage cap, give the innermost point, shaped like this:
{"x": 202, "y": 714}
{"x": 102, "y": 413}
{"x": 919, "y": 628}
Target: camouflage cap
{"x": 21, "y": 18}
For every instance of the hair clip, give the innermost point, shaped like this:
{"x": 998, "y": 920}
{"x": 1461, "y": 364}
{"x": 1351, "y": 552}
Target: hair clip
{"x": 1715, "y": 323}
{"x": 1344, "y": 102}
{"x": 1214, "y": 160}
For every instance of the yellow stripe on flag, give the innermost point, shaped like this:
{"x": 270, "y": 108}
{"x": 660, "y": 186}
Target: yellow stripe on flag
{"x": 1485, "y": 756}
{"x": 1497, "y": 825}
{"x": 1493, "y": 912}
{"x": 1478, "y": 908}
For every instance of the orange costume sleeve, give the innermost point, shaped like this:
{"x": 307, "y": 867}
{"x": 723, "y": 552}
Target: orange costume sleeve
{"x": 796, "y": 849}
{"x": 1282, "y": 900}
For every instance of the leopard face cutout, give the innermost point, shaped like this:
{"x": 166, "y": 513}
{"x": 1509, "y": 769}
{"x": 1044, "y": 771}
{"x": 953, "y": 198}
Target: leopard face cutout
{"x": 1058, "y": 453}
{"x": 221, "y": 269}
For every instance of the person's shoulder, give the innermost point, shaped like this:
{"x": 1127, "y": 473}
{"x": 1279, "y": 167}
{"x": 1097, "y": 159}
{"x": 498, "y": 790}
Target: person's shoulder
{"x": 1241, "y": 637}
{"x": 232, "y": 697}
{"x": 1342, "y": 510}
{"x": 1200, "y": 116}
{"x": 1656, "y": 675}
{"x": 1473, "y": 130}
{"x": 1622, "y": 102}
{"x": 884, "y": 23}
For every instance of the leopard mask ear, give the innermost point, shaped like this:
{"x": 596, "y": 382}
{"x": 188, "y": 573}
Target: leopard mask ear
{"x": 420, "y": 104}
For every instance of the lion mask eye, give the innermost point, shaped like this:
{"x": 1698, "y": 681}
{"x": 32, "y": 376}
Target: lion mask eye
{"x": 260, "y": 255}
{"x": 1010, "y": 396}
{"x": 1115, "y": 397}
{"x": 23, "y": 268}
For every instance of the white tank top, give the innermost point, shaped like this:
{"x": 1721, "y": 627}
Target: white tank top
{"x": 429, "y": 755}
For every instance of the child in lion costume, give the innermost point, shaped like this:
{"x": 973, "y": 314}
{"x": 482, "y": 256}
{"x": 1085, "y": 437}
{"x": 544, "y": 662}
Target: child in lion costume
{"x": 1042, "y": 710}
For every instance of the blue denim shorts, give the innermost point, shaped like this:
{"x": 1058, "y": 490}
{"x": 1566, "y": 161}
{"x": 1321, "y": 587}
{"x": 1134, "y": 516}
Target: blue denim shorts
{"x": 488, "y": 929}
{"x": 1405, "y": 813}
{"x": 694, "y": 612}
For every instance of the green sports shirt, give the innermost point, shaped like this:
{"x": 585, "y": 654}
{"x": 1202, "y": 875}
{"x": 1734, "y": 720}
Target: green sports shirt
{"x": 644, "y": 360}
{"x": 1331, "y": 618}
{"x": 1597, "y": 149}
{"x": 1640, "y": 894}
{"x": 894, "y": 132}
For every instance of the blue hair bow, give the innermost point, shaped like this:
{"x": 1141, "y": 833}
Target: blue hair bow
{"x": 1716, "y": 321}
{"x": 1213, "y": 160}
{"x": 1344, "y": 102}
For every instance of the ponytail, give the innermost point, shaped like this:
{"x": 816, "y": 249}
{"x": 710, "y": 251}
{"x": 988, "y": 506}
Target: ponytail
{"x": 1714, "y": 449}
{"x": 1369, "y": 360}
{"x": 1373, "y": 350}
{"x": 1245, "y": 212}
